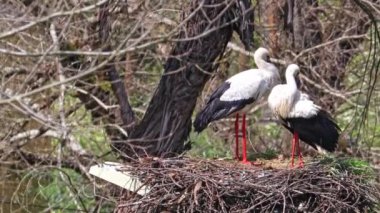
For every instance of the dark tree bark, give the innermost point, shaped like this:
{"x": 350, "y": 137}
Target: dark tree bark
{"x": 167, "y": 122}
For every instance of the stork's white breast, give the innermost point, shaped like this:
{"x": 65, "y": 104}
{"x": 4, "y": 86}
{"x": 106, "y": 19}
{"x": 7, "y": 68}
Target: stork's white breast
{"x": 289, "y": 103}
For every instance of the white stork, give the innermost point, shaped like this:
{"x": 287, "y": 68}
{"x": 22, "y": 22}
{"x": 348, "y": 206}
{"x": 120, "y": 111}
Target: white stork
{"x": 238, "y": 92}
{"x": 302, "y": 117}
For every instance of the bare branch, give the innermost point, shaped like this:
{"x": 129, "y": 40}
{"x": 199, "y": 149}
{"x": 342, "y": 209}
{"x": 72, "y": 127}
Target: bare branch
{"x": 51, "y": 16}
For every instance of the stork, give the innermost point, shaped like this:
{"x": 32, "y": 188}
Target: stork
{"x": 238, "y": 92}
{"x": 304, "y": 119}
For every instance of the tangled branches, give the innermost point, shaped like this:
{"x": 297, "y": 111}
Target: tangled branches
{"x": 183, "y": 185}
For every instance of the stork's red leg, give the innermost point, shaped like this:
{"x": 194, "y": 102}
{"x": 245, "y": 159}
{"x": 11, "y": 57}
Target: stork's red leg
{"x": 293, "y": 149}
{"x": 300, "y": 160}
{"x": 237, "y": 137}
{"x": 244, "y": 131}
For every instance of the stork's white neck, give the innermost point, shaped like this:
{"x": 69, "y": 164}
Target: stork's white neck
{"x": 263, "y": 65}
{"x": 290, "y": 80}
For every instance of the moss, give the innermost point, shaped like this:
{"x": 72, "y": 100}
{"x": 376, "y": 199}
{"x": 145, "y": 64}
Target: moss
{"x": 351, "y": 165}
{"x": 268, "y": 154}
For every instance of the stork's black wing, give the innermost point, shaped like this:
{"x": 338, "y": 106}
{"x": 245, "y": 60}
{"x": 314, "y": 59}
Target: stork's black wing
{"x": 319, "y": 130}
{"x": 216, "y": 109}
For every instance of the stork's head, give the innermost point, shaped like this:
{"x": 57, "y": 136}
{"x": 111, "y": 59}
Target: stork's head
{"x": 261, "y": 54}
{"x": 293, "y": 70}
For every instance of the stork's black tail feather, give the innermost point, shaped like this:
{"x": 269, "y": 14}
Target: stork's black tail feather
{"x": 203, "y": 118}
{"x": 319, "y": 130}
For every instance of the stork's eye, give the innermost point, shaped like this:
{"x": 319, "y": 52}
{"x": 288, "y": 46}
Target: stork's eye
{"x": 267, "y": 58}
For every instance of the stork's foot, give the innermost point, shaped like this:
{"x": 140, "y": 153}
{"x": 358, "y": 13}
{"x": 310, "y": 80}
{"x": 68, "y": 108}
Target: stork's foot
{"x": 292, "y": 163}
{"x": 301, "y": 164}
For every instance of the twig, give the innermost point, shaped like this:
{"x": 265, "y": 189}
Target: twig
{"x": 61, "y": 106}
{"x": 230, "y": 187}
{"x": 72, "y": 144}
{"x": 330, "y": 91}
{"x": 328, "y": 43}
{"x": 235, "y": 47}
{"x": 51, "y": 16}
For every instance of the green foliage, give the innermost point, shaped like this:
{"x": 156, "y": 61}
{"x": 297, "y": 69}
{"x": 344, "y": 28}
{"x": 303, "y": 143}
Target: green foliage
{"x": 206, "y": 146}
{"x": 66, "y": 191}
{"x": 272, "y": 130}
{"x": 92, "y": 139}
{"x": 351, "y": 165}
{"x": 105, "y": 85}
{"x": 55, "y": 191}
{"x": 48, "y": 189}
{"x": 366, "y": 131}
{"x": 137, "y": 100}
{"x": 268, "y": 154}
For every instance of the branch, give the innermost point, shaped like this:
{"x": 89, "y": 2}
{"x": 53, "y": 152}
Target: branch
{"x": 235, "y": 47}
{"x": 96, "y": 99}
{"x": 72, "y": 144}
{"x": 47, "y": 18}
{"x": 328, "y": 43}
{"x": 78, "y": 164}
{"x": 334, "y": 93}
{"x": 67, "y": 80}
{"x": 118, "y": 86}
{"x": 31, "y": 111}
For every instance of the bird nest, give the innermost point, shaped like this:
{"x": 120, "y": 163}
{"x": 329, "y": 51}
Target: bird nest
{"x": 195, "y": 185}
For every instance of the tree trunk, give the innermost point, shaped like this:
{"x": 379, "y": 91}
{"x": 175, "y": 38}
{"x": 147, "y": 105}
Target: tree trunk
{"x": 167, "y": 122}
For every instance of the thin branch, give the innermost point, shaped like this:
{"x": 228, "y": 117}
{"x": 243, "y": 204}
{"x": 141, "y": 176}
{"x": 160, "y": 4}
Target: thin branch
{"x": 96, "y": 99}
{"x": 57, "y": 83}
{"x": 72, "y": 144}
{"x": 330, "y": 91}
{"x": 118, "y": 86}
{"x": 51, "y": 16}
{"x": 235, "y": 47}
{"x": 328, "y": 43}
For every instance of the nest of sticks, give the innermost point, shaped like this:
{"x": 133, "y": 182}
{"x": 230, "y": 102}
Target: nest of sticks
{"x": 195, "y": 185}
